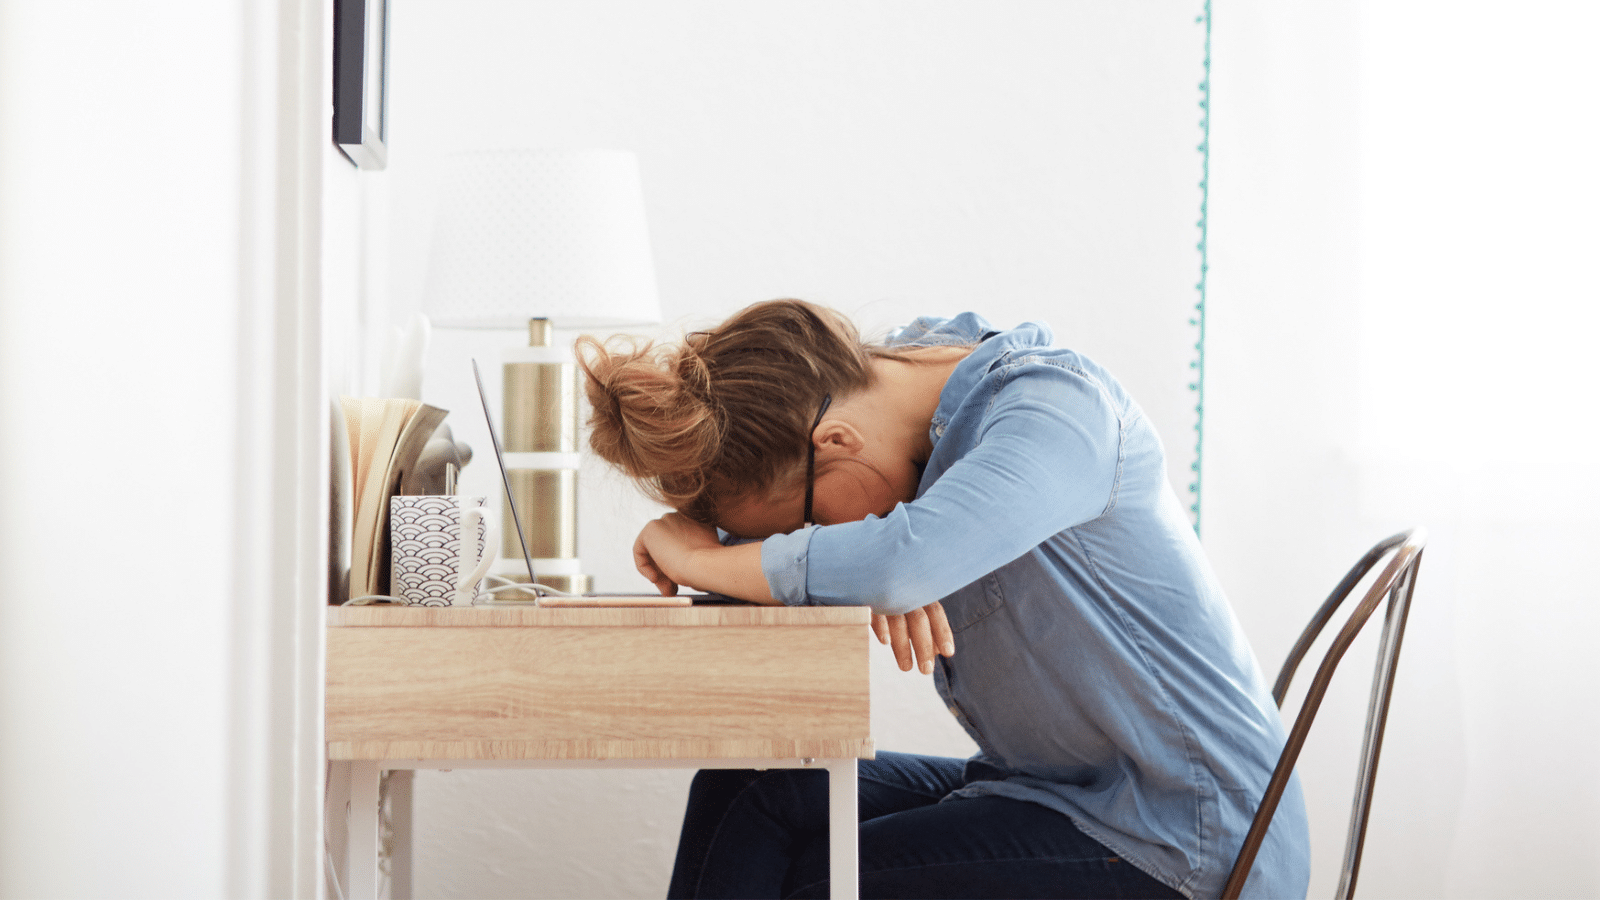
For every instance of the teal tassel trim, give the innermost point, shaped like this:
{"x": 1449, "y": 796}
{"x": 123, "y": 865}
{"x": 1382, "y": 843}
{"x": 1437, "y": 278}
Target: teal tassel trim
{"x": 1198, "y": 321}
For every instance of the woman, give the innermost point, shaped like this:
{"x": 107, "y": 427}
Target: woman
{"x": 1124, "y": 733}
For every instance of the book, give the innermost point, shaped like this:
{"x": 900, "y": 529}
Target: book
{"x": 386, "y": 440}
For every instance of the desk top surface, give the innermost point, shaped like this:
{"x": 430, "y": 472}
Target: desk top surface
{"x": 523, "y": 617}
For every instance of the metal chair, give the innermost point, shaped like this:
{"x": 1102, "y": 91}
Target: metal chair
{"x": 1397, "y": 581}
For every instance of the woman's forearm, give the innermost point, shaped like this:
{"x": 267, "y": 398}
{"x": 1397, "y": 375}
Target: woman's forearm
{"x": 674, "y": 550}
{"x": 734, "y": 571}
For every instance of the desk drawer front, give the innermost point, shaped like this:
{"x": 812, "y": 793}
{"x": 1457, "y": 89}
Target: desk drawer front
{"x": 598, "y": 692}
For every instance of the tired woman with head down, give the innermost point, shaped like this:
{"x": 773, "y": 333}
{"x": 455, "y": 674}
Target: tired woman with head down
{"x": 1003, "y": 507}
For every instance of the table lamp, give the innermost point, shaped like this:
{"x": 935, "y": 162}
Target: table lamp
{"x": 541, "y": 240}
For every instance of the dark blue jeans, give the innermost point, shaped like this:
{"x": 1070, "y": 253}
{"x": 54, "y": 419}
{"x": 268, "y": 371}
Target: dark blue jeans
{"x": 753, "y": 834}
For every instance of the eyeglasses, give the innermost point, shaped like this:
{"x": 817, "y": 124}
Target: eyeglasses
{"x": 811, "y": 457}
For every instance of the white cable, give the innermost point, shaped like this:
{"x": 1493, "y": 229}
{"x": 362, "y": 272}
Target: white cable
{"x": 333, "y": 871}
{"x": 484, "y": 596}
{"x": 542, "y": 590}
{"x": 327, "y": 849}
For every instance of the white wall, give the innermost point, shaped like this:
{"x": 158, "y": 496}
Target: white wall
{"x": 1402, "y": 305}
{"x": 114, "y": 654}
{"x": 1027, "y": 159}
{"x": 159, "y": 689}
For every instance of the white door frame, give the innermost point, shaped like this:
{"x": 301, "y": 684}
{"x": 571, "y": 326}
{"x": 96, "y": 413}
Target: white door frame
{"x": 281, "y": 531}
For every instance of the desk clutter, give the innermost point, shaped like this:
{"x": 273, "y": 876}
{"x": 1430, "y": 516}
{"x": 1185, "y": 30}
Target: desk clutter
{"x": 394, "y": 447}
{"x": 411, "y": 539}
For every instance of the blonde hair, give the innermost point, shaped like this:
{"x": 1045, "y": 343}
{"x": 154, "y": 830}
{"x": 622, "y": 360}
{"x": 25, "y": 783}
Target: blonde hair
{"x": 726, "y": 412}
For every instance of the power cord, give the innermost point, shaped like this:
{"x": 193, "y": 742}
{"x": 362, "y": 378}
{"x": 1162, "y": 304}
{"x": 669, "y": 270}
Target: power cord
{"x": 481, "y": 598}
{"x": 327, "y": 847}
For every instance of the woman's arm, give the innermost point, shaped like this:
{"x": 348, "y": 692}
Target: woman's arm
{"x": 1047, "y": 459}
{"x": 674, "y": 550}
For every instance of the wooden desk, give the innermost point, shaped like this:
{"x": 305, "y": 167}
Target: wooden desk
{"x": 500, "y": 687}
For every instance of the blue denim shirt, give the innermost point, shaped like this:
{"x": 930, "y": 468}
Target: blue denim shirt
{"x": 1098, "y": 666}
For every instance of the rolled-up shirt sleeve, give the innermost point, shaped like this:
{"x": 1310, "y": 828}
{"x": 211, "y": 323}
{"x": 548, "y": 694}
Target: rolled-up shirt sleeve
{"x": 783, "y": 562}
{"x": 1045, "y": 459}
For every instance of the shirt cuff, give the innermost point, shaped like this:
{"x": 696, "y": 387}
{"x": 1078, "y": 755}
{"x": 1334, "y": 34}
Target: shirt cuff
{"x": 783, "y": 563}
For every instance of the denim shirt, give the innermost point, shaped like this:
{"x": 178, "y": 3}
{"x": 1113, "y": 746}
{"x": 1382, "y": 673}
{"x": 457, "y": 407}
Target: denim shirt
{"x": 1098, "y": 665}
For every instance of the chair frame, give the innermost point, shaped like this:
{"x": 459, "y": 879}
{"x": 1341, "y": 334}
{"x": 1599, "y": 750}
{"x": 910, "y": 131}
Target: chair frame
{"x": 1397, "y": 582}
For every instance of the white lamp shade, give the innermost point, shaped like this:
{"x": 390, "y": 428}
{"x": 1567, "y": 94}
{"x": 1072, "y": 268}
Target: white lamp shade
{"x": 555, "y": 234}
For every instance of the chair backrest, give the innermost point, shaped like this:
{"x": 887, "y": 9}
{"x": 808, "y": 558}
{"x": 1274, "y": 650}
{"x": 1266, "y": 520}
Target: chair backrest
{"x": 1397, "y": 581}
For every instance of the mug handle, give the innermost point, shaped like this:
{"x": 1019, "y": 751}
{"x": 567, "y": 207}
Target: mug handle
{"x": 470, "y": 517}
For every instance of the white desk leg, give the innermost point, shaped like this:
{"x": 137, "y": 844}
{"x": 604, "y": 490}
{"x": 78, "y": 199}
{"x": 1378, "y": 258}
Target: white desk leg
{"x": 362, "y": 844}
{"x": 400, "y": 782}
{"x": 844, "y": 866}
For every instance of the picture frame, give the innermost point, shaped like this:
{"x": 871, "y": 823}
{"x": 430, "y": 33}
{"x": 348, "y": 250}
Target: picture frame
{"x": 361, "y": 81}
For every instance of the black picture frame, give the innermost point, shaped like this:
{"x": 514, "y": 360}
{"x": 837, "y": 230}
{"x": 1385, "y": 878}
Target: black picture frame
{"x": 361, "y": 81}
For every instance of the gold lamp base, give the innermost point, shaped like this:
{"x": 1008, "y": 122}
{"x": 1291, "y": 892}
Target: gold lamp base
{"x": 541, "y": 406}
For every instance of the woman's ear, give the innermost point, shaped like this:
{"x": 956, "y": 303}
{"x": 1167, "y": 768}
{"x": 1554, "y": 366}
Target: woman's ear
{"x": 837, "y": 434}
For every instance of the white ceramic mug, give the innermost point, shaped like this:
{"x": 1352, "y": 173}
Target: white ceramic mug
{"x": 430, "y": 563}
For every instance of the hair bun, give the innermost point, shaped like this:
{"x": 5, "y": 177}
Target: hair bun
{"x": 652, "y": 413}
{"x": 694, "y": 372}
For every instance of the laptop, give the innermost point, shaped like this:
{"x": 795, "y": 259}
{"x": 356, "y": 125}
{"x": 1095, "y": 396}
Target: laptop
{"x": 544, "y": 596}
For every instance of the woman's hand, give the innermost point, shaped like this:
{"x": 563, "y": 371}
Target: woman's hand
{"x": 664, "y": 550}
{"x": 918, "y": 632}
